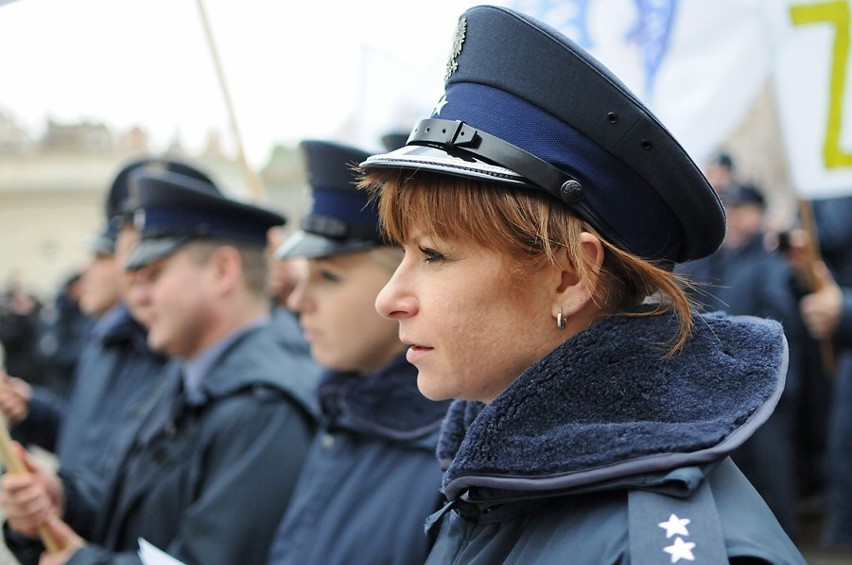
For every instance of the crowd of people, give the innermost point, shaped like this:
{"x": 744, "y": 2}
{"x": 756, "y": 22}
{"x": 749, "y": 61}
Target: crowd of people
{"x": 798, "y": 460}
{"x": 526, "y": 333}
{"x": 41, "y": 342}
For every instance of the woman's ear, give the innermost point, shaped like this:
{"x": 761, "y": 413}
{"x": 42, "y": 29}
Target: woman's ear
{"x": 576, "y": 286}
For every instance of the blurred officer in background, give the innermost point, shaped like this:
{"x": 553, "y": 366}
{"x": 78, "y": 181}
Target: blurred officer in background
{"x": 118, "y": 376}
{"x": 721, "y": 173}
{"x": 370, "y": 478}
{"x": 19, "y": 325}
{"x": 63, "y": 331}
{"x": 227, "y": 438}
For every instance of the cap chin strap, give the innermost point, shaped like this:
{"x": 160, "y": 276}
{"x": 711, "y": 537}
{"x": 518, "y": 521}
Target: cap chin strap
{"x": 455, "y": 134}
{"x": 335, "y": 228}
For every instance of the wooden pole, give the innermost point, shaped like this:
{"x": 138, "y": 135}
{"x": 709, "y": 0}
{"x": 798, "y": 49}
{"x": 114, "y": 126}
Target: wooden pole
{"x": 15, "y": 466}
{"x": 255, "y": 186}
{"x": 813, "y": 256}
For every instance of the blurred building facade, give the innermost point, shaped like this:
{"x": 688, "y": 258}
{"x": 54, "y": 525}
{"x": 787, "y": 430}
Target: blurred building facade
{"x": 52, "y": 187}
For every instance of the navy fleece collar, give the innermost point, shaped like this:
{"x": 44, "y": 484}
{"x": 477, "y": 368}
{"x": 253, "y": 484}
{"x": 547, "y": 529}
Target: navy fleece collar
{"x": 383, "y": 403}
{"x": 608, "y": 404}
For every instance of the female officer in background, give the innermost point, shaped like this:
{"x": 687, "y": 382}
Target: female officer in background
{"x": 541, "y": 210}
{"x": 370, "y": 478}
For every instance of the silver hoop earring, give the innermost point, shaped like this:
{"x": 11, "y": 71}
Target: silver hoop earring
{"x": 560, "y": 321}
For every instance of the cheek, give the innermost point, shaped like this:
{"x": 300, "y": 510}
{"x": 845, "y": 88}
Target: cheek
{"x": 361, "y": 328}
{"x": 489, "y": 338}
{"x": 375, "y": 333}
{"x": 170, "y": 296}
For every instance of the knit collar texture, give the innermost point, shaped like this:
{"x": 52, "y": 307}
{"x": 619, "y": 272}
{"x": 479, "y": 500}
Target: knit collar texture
{"x": 384, "y": 403}
{"x": 609, "y": 403}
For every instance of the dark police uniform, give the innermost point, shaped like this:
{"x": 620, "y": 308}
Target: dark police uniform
{"x": 370, "y": 478}
{"x": 117, "y": 379}
{"x": 213, "y": 465}
{"x": 606, "y": 450}
{"x": 116, "y": 366}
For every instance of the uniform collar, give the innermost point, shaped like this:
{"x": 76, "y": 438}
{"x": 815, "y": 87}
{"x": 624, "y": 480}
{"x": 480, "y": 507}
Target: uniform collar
{"x": 607, "y": 404}
{"x": 385, "y": 403}
{"x": 197, "y": 367}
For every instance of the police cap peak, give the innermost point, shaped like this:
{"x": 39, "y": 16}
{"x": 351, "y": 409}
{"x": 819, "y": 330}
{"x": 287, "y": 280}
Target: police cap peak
{"x": 539, "y": 112}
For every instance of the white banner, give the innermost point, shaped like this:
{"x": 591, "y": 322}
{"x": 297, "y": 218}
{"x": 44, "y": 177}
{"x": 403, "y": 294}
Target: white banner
{"x": 699, "y": 64}
{"x": 814, "y": 92}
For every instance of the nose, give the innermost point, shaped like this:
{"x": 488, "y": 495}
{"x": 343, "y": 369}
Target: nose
{"x": 298, "y": 299}
{"x": 396, "y": 300}
{"x": 138, "y": 292}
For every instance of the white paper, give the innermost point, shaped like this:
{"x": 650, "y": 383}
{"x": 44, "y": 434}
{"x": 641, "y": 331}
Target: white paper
{"x": 150, "y": 554}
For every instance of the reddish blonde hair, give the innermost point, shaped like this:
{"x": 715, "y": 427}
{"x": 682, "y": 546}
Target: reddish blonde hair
{"x": 529, "y": 227}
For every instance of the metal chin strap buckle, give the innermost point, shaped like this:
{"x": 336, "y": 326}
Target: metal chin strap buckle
{"x": 447, "y": 133}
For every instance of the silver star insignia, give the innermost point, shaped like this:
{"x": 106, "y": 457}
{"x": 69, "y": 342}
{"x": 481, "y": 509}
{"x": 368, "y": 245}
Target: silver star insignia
{"x": 675, "y": 525}
{"x": 680, "y": 550}
{"x": 440, "y": 105}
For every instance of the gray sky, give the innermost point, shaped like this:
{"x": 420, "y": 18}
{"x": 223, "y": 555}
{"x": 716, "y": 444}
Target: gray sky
{"x": 294, "y": 68}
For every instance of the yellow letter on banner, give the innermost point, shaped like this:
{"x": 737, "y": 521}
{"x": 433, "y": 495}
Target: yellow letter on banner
{"x": 836, "y": 13}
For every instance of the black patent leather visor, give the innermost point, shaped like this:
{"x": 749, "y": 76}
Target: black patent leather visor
{"x": 311, "y": 246}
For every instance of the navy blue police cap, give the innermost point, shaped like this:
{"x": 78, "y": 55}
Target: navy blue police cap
{"x": 176, "y": 209}
{"x": 120, "y": 201}
{"x": 526, "y": 107}
{"x": 342, "y": 219}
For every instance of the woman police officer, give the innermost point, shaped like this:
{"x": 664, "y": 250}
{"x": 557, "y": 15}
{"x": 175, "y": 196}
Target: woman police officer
{"x": 541, "y": 209}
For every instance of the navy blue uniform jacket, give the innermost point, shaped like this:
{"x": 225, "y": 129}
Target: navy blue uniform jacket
{"x": 210, "y": 484}
{"x": 371, "y": 477}
{"x": 543, "y": 474}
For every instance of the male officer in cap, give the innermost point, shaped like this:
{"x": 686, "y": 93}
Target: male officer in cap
{"x": 116, "y": 357}
{"x": 227, "y": 439}
{"x": 118, "y": 375}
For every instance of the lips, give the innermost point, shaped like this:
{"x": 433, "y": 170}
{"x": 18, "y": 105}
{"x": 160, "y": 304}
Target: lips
{"x": 310, "y": 335}
{"x": 416, "y": 352}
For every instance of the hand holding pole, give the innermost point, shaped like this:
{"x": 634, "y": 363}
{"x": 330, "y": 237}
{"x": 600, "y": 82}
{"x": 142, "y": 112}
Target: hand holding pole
{"x": 13, "y": 464}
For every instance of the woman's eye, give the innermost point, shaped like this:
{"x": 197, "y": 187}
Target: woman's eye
{"x": 329, "y": 276}
{"x": 431, "y": 255}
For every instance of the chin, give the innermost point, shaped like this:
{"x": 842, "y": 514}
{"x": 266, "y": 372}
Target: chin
{"x": 324, "y": 360}
{"x": 432, "y": 389}
{"x": 158, "y": 344}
